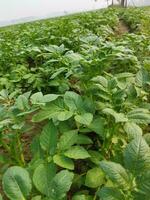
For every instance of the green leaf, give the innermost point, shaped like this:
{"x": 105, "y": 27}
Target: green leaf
{"x": 94, "y": 178}
{"x": 82, "y": 197}
{"x": 73, "y": 101}
{"x": 95, "y": 156}
{"x": 108, "y": 193}
{"x": 63, "y": 161}
{"x": 97, "y": 125}
{"x": 84, "y": 139}
{"x": 22, "y": 103}
{"x": 68, "y": 139}
{"x": 85, "y": 118}
{"x": 61, "y": 184}
{"x": 43, "y": 176}
{"x": 77, "y": 152}
{"x": 119, "y": 117}
{"x": 48, "y": 138}
{"x": 64, "y": 115}
{"x": 36, "y": 198}
{"x": 140, "y": 116}
{"x": 36, "y": 98}
{"x": 147, "y": 138}
{"x": 101, "y": 80}
{"x": 137, "y": 155}
{"x": 1, "y": 198}
{"x": 116, "y": 173}
{"x": 49, "y": 97}
{"x": 54, "y": 110}
{"x": 39, "y": 98}
{"x": 17, "y": 183}
{"x": 143, "y": 184}
{"x": 133, "y": 130}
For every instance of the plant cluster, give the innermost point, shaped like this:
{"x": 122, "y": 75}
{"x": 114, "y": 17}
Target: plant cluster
{"x": 75, "y": 108}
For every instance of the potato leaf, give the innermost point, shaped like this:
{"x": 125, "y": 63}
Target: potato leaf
{"x": 17, "y": 183}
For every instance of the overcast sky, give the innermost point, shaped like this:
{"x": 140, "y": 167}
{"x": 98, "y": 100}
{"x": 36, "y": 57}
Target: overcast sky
{"x": 15, "y": 9}
{"x": 12, "y": 9}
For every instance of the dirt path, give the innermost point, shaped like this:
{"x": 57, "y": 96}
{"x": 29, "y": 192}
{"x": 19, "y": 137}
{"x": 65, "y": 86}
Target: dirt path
{"x": 122, "y": 28}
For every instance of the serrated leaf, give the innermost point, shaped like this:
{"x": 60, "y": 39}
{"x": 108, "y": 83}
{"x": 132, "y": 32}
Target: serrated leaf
{"x": 77, "y": 152}
{"x": 94, "y": 178}
{"x": 17, "y": 183}
{"x": 63, "y": 161}
{"x": 61, "y": 184}
{"x": 48, "y": 138}
{"x": 116, "y": 173}
{"x": 137, "y": 155}
{"x": 85, "y": 118}
{"x": 43, "y": 176}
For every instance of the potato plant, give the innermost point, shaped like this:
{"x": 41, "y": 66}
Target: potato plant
{"x": 75, "y": 108}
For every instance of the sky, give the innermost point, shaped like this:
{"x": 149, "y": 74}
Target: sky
{"x": 14, "y": 9}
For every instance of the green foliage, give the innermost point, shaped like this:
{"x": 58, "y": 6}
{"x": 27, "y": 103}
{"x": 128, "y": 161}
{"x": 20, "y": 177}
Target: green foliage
{"x": 132, "y": 180}
{"x": 17, "y": 183}
{"x": 75, "y": 108}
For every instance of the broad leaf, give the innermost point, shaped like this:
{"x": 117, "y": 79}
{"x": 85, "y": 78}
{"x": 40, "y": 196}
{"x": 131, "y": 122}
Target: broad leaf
{"x": 97, "y": 125}
{"x": 63, "y": 161}
{"x": 22, "y": 103}
{"x": 94, "y": 178}
{"x": 48, "y": 138}
{"x": 82, "y": 197}
{"x": 43, "y": 176}
{"x": 140, "y": 116}
{"x": 39, "y": 98}
{"x": 60, "y": 185}
{"x": 108, "y": 193}
{"x": 85, "y": 118}
{"x": 73, "y": 101}
{"x": 77, "y": 152}
{"x": 37, "y": 198}
{"x": 68, "y": 139}
{"x": 54, "y": 110}
{"x": 119, "y": 117}
{"x": 84, "y": 139}
{"x": 17, "y": 183}
{"x": 116, "y": 173}
{"x": 137, "y": 155}
{"x": 133, "y": 130}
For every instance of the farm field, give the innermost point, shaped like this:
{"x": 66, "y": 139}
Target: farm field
{"x": 75, "y": 107}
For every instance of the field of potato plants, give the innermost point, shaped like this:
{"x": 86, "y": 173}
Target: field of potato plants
{"x": 75, "y": 107}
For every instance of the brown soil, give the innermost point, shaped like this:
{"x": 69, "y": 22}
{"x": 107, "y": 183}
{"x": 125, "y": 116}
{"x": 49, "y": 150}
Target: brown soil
{"x": 122, "y": 28}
